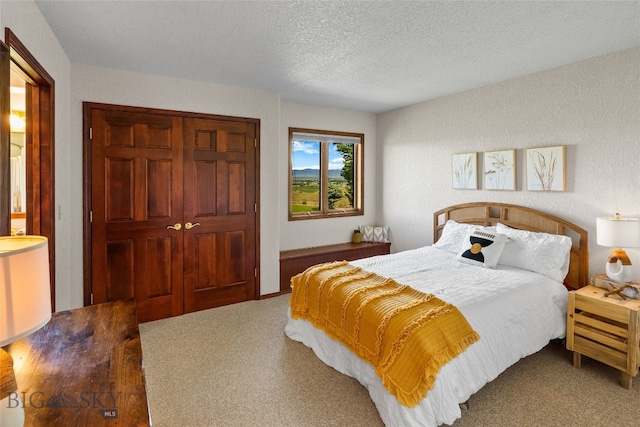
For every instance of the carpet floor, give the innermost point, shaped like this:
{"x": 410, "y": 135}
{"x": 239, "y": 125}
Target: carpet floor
{"x": 234, "y": 366}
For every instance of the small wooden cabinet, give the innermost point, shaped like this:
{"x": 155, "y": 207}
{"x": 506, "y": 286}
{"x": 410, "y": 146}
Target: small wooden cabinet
{"x": 604, "y": 328}
{"x": 296, "y": 261}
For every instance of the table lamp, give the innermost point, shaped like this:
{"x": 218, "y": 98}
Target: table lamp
{"x": 25, "y": 307}
{"x": 618, "y": 233}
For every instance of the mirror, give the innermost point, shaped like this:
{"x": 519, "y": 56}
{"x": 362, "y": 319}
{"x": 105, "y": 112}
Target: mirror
{"x": 18, "y": 154}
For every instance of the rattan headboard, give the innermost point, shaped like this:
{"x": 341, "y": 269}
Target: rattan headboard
{"x": 486, "y": 214}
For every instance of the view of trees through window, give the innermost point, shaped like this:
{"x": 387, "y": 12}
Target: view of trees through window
{"x": 324, "y": 176}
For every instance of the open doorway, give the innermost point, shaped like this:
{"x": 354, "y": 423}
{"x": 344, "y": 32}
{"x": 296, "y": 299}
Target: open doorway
{"x": 33, "y": 199}
{"x": 18, "y": 153}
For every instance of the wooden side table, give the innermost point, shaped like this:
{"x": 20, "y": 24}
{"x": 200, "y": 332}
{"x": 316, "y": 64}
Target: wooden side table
{"x": 83, "y": 368}
{"x": 606, "y": 329}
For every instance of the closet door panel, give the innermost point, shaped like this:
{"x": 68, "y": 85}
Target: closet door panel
{"x": 136, "y": 199}
{"x": 205, "y": 268}
{"x": 220, "y": 198}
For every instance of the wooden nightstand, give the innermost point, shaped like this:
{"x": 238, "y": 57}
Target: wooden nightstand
{"x": 606, "y": 329}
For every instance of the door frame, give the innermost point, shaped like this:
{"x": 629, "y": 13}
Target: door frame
{"x": 40, "y": 162}
{"x": 87, "y": 108}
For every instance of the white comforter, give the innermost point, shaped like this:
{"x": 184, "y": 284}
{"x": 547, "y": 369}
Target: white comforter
{"x": 515, "y": 312}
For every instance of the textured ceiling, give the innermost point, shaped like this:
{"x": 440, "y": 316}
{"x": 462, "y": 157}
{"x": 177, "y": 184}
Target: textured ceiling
{"x": 370, "y": 56}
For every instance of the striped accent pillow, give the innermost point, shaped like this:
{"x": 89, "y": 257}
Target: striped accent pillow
{"x": 372, "y": 233}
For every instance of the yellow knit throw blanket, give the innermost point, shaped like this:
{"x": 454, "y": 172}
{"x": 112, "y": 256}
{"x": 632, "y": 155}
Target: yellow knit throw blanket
{"x": 405, "y": 334}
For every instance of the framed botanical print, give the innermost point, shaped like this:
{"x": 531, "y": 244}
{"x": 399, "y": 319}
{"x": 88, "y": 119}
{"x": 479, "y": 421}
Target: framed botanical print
{"x": 500, "y": 170}
{"x": 464, "y": 169}
{"x": 546, "y": 168}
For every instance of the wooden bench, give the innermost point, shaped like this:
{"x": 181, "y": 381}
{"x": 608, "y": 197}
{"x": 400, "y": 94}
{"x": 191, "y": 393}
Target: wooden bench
{"x": 296, "y": 261}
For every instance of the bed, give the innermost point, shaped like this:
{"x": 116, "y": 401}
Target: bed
{"x": 515, "y": 308}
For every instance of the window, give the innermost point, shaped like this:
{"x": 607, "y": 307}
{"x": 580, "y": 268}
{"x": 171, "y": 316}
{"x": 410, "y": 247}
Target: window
{"x": 326, "y": 174}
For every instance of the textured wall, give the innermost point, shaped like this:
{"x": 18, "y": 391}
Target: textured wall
{"x": 592, "y": 107}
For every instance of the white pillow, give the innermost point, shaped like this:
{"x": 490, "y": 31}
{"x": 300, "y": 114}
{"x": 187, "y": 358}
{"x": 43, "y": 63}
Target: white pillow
{"x": 482, "y": 248}
{"x": 543, "y": 253}
{"x": 454, "y": 233}
{"x": 372, "y": 233}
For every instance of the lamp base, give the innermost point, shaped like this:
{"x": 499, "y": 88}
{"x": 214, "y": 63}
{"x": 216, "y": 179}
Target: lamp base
{"x": 618, "y": 266}
{"x": 7, "y": 377}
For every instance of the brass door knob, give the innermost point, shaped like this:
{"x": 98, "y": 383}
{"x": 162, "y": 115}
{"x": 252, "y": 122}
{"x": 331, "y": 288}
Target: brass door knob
{"x": 177, "y": 226}
{"x": 189, "y": 226}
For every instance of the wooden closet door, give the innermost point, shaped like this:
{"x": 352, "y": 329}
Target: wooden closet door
{"x": 220, "y": 201}
{"x": 136, "y": 196}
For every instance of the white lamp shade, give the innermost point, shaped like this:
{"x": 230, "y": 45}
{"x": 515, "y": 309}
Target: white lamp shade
{"x": 25, "y": 295}
{"x": 618, "y": 232}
